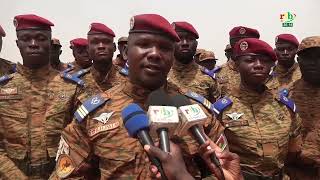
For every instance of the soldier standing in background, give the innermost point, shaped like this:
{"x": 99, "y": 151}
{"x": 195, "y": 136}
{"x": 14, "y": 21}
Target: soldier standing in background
{"x": 6, "y": 67}
{"x": 79, "y": 48}
{"x": 55, "y": 53}
{"x": 287, "y": 70}
{"x": 185, "y": 72}
{"x": 36, "y": 104}
{"x": 119, "y": 61}
{"x": 306, "y": 94}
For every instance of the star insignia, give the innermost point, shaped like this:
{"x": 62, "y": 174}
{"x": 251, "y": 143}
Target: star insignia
{"x": 104, "y": 117}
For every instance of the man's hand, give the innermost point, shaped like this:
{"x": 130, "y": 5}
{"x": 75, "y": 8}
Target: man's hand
{"x": 230, "y": 162}
{"x": 172, "y": 163}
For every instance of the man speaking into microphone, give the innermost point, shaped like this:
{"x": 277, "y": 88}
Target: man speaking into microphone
{"x": 98, "y": 129}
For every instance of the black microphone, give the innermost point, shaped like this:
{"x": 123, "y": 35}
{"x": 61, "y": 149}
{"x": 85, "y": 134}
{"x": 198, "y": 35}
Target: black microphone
{"x": 191, "y": 116}
{"x": 163, "y": 117}
{"x": 137, "y": 124}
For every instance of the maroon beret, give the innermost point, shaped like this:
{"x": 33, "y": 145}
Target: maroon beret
{"x": 78, "y": 42}
{"x": 99, "y": 28}
{"x": 287, "y": 38}
{"x": 152, "y": 23}
{"x": 250, "y": 46}
{"x": 185, "y": 26}
{"x": 245, "y": 32}
{"x": 31, "y": 21}
{"x": 2, "y": 32}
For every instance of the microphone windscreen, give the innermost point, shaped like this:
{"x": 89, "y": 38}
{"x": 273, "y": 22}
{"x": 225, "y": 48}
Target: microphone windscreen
{"x": 134, "y": 119}
{"x": 159, "y": 98}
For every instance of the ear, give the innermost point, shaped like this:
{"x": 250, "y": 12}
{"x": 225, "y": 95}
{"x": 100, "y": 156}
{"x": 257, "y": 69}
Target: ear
{"x": 60, "y": 52}
{"x": 17, "y": 43}
{"x": 236, "y": 64}
{"x": 196, "y": 43}
{"x": 114, "y": 47}
{"x": 125, "y": 52}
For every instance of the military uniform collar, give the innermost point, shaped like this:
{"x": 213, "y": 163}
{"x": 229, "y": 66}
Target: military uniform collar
{"x": 248, "y": 95}
{"x": 98, "y": 77}
{"x": 282, "y": 71}
{"x": 185, "y": 67}
{"x": 39, "y": 73}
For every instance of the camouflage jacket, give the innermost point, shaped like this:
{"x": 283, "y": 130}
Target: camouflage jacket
{"x": 228, "y": 77}
{"x": 189, "y": 76}
{"x": 120, "y": 156}
{"x": 6, "y": 67}
{"x": 283, "y": 78}
{"x": 261, "y": 130}
{"x": 35, "y": 106}
{"x": 307, "y": 99}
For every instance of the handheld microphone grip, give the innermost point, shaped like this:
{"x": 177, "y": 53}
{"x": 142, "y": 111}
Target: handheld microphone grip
{"x": 164, "y": 139}
{"x": 137, "y": 125}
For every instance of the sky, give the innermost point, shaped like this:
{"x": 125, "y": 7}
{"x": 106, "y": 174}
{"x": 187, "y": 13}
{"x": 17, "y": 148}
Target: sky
{"x": 213, "y": 19}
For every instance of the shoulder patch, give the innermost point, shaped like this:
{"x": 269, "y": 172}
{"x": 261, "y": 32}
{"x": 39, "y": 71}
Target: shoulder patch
{"x": 70, "y": 68}
{"x": 81, "y": 72}
{"x": 208, "y": 72}
{"x": 73, "y": 79}
{"x": 288, "y": 102}
{"x": 124, "y": 71}
{"x": 65, "y": 166}
{"x": 6, "y": 78}
{"x": 221, "y": 104}
{"x": 284, "y": 92}
{"x": 200, "y": 99}
{"x": 89, "y": 105}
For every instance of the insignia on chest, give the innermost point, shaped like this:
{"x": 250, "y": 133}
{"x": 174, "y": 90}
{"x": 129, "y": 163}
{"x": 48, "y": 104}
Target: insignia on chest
{"x": 102, "y": 128}
{"x": 8, "y": 91}
{"x": 104, "y": 117}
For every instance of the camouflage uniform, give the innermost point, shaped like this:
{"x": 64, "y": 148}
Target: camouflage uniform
{"x": 283, "y": 78}
{"x": 94, "y": 83}
{"x": 189, "y": 76}
{"x": 261, "y": 130}
{"x": 34, "y": 106}
{"x": 6, "y": 67}
{"x": 119, "y": 61}
{"x": 59, "y": 67}
{"x": 228, "y": 77}
{"x": 120, "y": 156}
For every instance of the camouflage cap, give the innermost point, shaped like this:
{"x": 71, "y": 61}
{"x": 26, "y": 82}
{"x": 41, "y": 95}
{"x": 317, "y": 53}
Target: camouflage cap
{"x": 55, "y": 41}
{"x": 199, "y": 51}
{"x": 309, "y": 42}
{"x": 207, "y": 55}
{"x": 123, "y": 39}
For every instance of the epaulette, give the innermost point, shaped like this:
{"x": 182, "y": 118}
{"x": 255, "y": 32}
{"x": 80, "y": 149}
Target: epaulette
{"x": 70, "y": 68}
{"x": 73, "y": 79}
{"x": 221, "y": 104}
{"x": 211, "y": 73}
{"x": 81, "y": 72}
{"x": 288, "y": 102}
{"x": 6, "y": 78}
{"x": 88, "y": 106}
{"x": 284, "y": 92}
{"x": 216, "y": 108}
{"x": 124, "y": 71}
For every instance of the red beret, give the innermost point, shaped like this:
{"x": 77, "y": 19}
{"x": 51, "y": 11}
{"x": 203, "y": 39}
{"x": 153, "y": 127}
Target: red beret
{"x": 2, "y": 32}
{"x": 249, "y": 46}
{"x": 245, "y": 32}
{"x": 152, "y": 23}
{"x": 78, "y": 42}
{"x": 97, "y": 28}
{"x": 287, "y": 38}
{"x": 31, "y": 21}
{"x": 185, "y": 26}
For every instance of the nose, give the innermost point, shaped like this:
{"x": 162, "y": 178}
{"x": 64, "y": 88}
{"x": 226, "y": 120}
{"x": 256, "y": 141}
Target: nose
{"x": 184, "y": 43}
{"x": 101, "y": 46}
{"x": 258, "y": 65}
{"x": 33, "y": 44}
{"x": 154, "y": 54}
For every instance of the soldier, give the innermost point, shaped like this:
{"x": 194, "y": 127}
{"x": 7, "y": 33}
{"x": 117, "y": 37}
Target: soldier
{"x": 207, "y": 60}
{"x": 287, "y": 70}
{"x": 79, "y": 48}
{"x": 185, "y": 72}
{"x": 306, "y": 94}
{"x": 197, "y": 55}
{"x": 6, "y": 67}
{"x": 55, "y": 53}
{"x": 101, "y": 131}
{"x": 103, "y": 74}
{"x": 35, "y": 104}
{"x": 262, "y": 129}
{"x": 228, "y": 52}
{"x": 227, "y": 75}
{"x": 119, "y": 61}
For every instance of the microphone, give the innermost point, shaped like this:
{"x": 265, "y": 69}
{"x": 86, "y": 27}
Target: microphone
{"x": 191, "y": 116}
{"x": 136, "y": 122}
{"x": 163, "y": 117}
